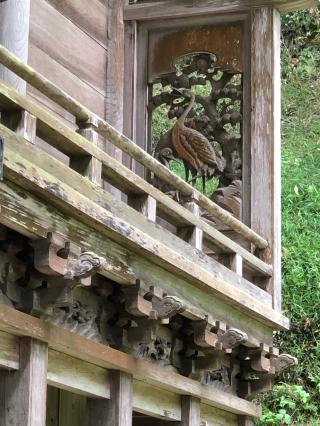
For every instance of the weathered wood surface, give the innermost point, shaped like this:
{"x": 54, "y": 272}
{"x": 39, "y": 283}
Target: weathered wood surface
{"x": 92, "y": 19}
{"x": 213, "y": 417}
{"x": 9, "y": 351}
{"x": 65, "y": 79}
{"x": 156, "y": 402}
{"x": 72, "y": 409}
{"x": 29, "y": 216}
{"x": 190, "y": 411}
{"x": 74, "y": 375}
{"x": 74, "y": 146}
{"x": 14, "y": 35}
{"x": 63, "y": 41}
{"x": 122, "y": 142}
{"x": 175, "y": 9}
{"x": 266, "y": 140}
{"x": 23, "y": 392}
{"x": 114, "y": 219}
{"x": 119, "y": 411}
{"x": 115, "y": 72}
{"x": 12, "y": 321}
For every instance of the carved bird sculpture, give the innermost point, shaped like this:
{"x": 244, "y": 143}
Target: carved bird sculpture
{"x": 194, "y": 149}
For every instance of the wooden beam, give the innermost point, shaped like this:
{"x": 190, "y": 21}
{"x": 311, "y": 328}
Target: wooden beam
{"x": 9, "y": 351}
{"x": 61, "y": 340}
{"x": 266, "y": 140}
{"x": 190, "y": 411}
{"x": 130, "y": 230}
{"x": 23, "y": 392}
{"x": 175, "y": 9}
{"x": 14, "y": 35}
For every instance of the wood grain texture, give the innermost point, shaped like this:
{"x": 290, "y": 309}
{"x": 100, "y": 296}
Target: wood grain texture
{"x": 176, "y": 9}
{"x": 9, "y": 351}
{"x": 122, "y": 142}
{"x": 100, "y": 210}
{"x": 66, "y": 80}
{"x": 155, "y": 402}
{"x": 72, "y": 409}
{"x": 213, "y": 417}
{"x": 90, "y": 17}
{"x": 14, "y": 35}
{"x": 77, "y": 376}
{"x": 118, "y": 410}
{"x": 118, "y": 175}
{"x": 72, "y": 344}
{"x": 266, "y": 140}
{"x": 56, "y": 35}
{"x": 190, "y": 411}
{"x": 23, "y": 392}
{"x": 115, "y": 77}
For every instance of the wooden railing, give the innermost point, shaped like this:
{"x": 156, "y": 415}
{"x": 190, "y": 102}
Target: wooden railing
{"x": 141, "y": 195}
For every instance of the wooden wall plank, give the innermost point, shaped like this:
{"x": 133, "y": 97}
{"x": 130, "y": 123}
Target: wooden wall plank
{"x": 155, "y": 402}
{"x": 54, "y": 34}
{"x": 266, "y": 140}
{"x": 66, "y": 80}
{"x": 90, "y": 17}
{"x": 72, "y": 409}
{"x": 211, "y": 416}
{"x": 14, "y": 35}
{"x": 52, "y": 417}
{"x": 77, "y": 376}
{"x": 26, "y": 388}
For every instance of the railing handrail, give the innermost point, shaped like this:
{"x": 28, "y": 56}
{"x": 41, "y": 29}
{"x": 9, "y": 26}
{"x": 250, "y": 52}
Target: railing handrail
{"x": 82, "y": 114}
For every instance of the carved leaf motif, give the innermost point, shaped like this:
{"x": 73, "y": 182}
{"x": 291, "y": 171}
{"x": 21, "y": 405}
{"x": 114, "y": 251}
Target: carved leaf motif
{"x": 287, "y": 361}
{"x": 232, "y": 338}
{"x": 168, "y": 306}
{"x": 87, "y": 264}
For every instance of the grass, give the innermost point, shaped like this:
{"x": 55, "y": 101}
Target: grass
{"x": 300, "y": 245}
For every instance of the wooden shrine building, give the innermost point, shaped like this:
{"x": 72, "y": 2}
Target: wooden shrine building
{"x": 139, "y": 211}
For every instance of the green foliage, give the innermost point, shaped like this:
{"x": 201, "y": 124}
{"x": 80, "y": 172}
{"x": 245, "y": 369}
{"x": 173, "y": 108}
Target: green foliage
{"x": 298, "y": 401}
{"x": 299, "y": 29}
{"x": 288, "y": 404}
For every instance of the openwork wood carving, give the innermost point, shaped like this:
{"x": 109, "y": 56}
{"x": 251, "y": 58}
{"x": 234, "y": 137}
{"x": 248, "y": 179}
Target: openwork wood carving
{"x": 206, "y": 103}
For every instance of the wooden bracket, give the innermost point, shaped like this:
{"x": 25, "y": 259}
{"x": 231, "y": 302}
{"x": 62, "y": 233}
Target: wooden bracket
{"x": 284, "y": 362}
{"x": 165, "y": 306}
{"x": 217, "y": 335}
{"x": 261, "y": 359}
{"x": 250, "y": 389}
{"x": 135, "y": 304}
{"x": 54, "y": 256}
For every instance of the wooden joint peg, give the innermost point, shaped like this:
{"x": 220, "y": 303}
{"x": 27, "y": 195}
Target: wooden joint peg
{"x": 144, "y": 204}
{"x": 22, "y": 123}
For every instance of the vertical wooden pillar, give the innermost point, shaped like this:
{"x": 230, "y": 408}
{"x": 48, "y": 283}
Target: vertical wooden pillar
{"x": 14, "y": 35}
{"x": 118, "y": 410}
{"x": 190, "y": 411}
{"x": 23, "y": 392}
{"x": 265, "y": 137}
{"x": 245, "y": 421}
{"x": 115, "y": 76}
